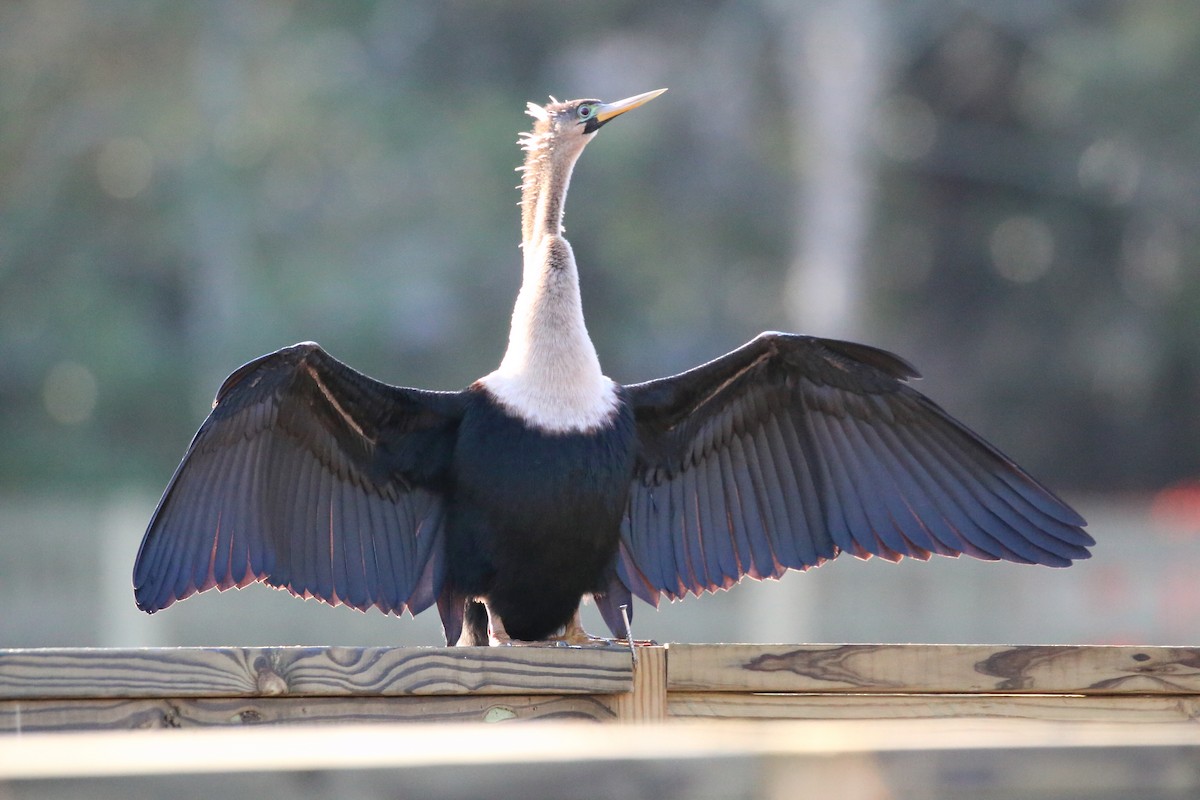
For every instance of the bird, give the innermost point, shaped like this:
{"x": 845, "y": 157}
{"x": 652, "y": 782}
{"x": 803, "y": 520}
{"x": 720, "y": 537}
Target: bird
{"x": 509, "y": 502}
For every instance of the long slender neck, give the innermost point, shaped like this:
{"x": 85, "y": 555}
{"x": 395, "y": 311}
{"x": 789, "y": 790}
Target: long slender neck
{"x": 547, "y": 174}
{"x": 550, "y": 374}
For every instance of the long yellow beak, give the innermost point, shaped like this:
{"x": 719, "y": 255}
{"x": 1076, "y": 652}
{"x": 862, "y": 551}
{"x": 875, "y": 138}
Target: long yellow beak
{"x": 606, "y": 111}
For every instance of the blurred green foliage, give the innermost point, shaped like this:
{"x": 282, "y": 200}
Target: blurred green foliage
{"x": 186, "y": 186}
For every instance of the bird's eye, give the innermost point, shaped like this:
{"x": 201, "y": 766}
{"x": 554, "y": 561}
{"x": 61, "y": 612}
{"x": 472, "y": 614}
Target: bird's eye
{"x": 585, "y": 112}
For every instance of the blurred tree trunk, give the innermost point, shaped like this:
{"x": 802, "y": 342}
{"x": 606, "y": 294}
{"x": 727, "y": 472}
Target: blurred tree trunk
{"x": 832, "y": 69}
{"x": 834, "y": 55}
{"x": 220, "y": 240}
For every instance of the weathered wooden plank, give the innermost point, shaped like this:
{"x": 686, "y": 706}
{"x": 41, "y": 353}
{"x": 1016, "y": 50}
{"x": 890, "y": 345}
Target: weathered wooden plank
{"x": 29, "y": 716}
{"x": 72, "y": 714}
{"x": 309, "y": 748}
{"x": 844, "y": 705}
{"x": 648, "y": 700}
{"x": 311, "y": 671}
{"x": 62, "y": 689}
{"x": 896, "y": 669}
{"x": 763, "y": 761}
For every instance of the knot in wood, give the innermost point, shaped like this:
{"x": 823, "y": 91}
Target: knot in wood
{"x": 247, "y": 716}
{"x": 270, "y": 682}
{"x": 499, "y": 714}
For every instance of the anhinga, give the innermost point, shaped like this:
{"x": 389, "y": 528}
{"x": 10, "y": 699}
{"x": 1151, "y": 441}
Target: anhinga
{"x": 543, "y": 482}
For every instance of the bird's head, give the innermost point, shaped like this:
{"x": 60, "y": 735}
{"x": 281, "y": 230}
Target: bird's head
{"x": 576, "y": 120}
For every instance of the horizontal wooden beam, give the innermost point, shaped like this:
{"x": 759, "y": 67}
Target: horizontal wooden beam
{"x": 57, "y": 673}
{"x": 72, "y": 689}
{"x": 308, "y": 747}
{"x": 956, "y": 669}
{"x": 1158, "y": 708}
{"x": 74, "y": 714}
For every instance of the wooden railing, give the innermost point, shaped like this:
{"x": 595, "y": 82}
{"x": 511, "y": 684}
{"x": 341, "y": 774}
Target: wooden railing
{"x": 80, "y": 689}
{"x": 1119, "y": 684}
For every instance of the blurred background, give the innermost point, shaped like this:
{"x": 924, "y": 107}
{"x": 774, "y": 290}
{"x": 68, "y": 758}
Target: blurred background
{"x": 1007, "y": 194}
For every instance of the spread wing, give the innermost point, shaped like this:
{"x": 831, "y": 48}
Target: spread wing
{"x": 793, "y": 449}
{"x": 310, "y": 477}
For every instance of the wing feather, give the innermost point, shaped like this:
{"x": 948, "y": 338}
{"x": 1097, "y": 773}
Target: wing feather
{"x": 927, "y": 531}
{"x": 781, "y": 486}
{"x": 757, "y": 510}
{"x": 637, "y": 528}
{"x": 993, "y": 496}
{"x": 792, "y": 449}
{"x": 840, "y": 500}
{"x": 691, "y": 529}
{"x": 758, "y": 561}
{"x": 684, "y": 547}
{"x": 349, "y": 571}
{"x": 383, "y": 518}
{"x": 730, "y": 512}
{"x": 984, "y": 529}
{"x": 927, "y": 473}
{"x": 714, "y": 531}
{"x": 892, "y": 520}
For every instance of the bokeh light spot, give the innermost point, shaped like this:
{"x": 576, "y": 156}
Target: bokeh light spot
{"x": 69, "y": 393}
{"x": 904, "y": 128}
{"x": 1110, "y": 168}
{"x": 1022, "y": 249}
{"x": 124, "y": 167}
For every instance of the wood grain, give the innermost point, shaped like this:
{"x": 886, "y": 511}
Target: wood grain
{"x": 843, "y": 705}
{"x": 310, "y": 671}
{"x": 895, "y": 669}
{"x": 72, "y": 689}
{"x": 648, "y": 700}
{"x": 30, "y": 716}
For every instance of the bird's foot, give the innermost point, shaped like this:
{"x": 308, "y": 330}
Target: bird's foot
{"x": 560, "y": 641}
{"x": 573, "y": 635}
{"x": 586, "y": 640}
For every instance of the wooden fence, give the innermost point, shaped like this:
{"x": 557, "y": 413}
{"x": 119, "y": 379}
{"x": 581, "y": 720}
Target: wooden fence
{"x": 90, "y": 689}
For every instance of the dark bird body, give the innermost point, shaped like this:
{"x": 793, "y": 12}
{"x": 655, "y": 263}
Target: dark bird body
{"x": 544, "y": 482}
{"x": 528, "y": 504}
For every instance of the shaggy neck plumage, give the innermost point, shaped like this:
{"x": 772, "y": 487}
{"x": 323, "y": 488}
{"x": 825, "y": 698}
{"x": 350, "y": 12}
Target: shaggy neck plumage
{"x": 550, "y": 157}
{"x": 550, "y": 374}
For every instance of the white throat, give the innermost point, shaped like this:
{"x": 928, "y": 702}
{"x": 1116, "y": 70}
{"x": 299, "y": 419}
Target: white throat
{"x": 550, "y": 376}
